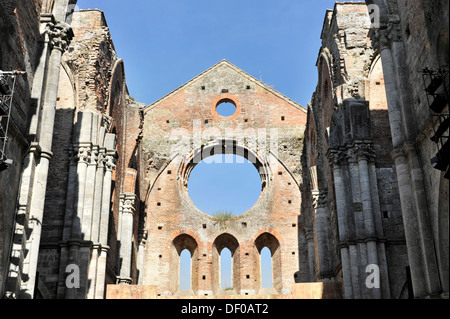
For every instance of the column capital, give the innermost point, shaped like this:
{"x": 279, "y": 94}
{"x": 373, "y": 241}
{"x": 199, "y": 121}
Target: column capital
{"x": 127, "y": 203}
{"x": 319, "y": 198}
{"x": 361, "y": 151}
{"x": 335, "y": 157}
{"x": 83, "y": 154}
{"x": 60, "y": 34}
{"x": 382, "y": 38}
{"x": 110, "y": 162}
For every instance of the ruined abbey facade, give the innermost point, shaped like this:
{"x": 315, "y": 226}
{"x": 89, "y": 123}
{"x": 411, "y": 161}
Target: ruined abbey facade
{"x": 355, "y": 185}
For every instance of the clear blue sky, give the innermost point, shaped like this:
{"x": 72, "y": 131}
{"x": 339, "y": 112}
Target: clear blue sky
{"x": 165, "y": 43}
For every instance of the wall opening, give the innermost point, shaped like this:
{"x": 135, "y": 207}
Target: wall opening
{"x": 226, "y": 265}
{"x": 226, "y": 108}
{"x": 183, "y": 261}
{"x": 225, "y": 183}
{"x": 269, "y": 264}
{"x": 185, "y": 270}
{"x": 266, "y": 268}
{"x": 226, "y": 269}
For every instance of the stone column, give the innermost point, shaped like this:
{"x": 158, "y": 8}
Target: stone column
{"x": 60, "y": 35}
{"x": 127, "y": 203}
{"x": 363, "y": 152}
{"x": 75, "y": 242}
{"x": 335, "y": 158}
{"x": 109, "y": 161}
{"x": 140, "y": 259}
{"x": 356, "y": 248}
{"x": 95, "y": 231}
{"x": 322, "y": 235}
{"x": 419, "y": 240}
{"x": 311, "y": 254}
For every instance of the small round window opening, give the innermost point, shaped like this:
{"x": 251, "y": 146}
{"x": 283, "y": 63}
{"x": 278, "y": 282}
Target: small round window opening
{"x": 226, "y": 108}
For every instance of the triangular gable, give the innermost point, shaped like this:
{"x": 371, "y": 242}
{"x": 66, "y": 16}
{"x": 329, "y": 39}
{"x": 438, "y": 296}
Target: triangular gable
{"x": 237, "y": 70}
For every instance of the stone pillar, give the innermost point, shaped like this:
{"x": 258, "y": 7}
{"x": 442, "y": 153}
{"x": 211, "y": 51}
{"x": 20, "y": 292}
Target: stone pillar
{"x": 419, "y": 240}
{"x": 363, "y": 151}
{"x": 322, "y": 235}
{"x": 127, "y": 203}
{"x": 96, "y": 212}
{"x": 335, "y": 158}
{"x": 60, "y": 35}
{"x": 311, "y": 254}
{"x": 140, "y": 258}
{"x": 75, "y": 242}
{"x": 106, "y": 166}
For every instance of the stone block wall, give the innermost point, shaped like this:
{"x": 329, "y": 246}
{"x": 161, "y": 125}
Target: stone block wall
{"x": 19, "y": 50}
{"x": 355, "y": 193}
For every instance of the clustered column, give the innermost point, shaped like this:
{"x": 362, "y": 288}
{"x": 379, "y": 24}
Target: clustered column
{"x": 361, "y": 238}
{"x": 34, "y": 184}
{"x": 85, "y": 236}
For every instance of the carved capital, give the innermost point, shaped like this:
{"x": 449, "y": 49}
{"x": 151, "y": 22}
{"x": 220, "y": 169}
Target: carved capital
{"x": 83, "y": 155}
{"x": 94, "y": 157}
{"x": 364, "y": 151}
{"x": 60, "y": 35}
{"x": 383, "y": 38}
{"x": 101, "y": 158}
{"x": 127, "y": 203}
{"x": 336, "y": 157}
{"x": 109, "y": 162}
{"x": 319, "y": 199}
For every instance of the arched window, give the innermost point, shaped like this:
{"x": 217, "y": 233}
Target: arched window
{"x": 268, "y": 247}
{"x": 266, "y": 268}
{"x": 184, "y": 264}
{"x": 185, "y": 270}
{"x": 226, "y": 269}
{"x": 226, "y": 265}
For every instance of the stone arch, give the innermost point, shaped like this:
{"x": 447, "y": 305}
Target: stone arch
{"x": 226, "y": 240}
{"x": 179, "y": 244}
{"x": 270, "y": 241}
{"x": 116, "y": 87}
{"x": 225, "y": 147}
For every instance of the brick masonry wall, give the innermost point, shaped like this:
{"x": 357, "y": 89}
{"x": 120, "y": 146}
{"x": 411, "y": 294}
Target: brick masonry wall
{"x": 170, "y": 211}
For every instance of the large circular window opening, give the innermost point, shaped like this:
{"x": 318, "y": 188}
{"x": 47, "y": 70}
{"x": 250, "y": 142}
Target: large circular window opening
{"x": 226, "y": 108}
{"x": 224, "y": 185}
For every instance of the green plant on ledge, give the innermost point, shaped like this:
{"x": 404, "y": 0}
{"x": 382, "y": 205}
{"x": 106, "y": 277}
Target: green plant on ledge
{"x": 222, "y": 216}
